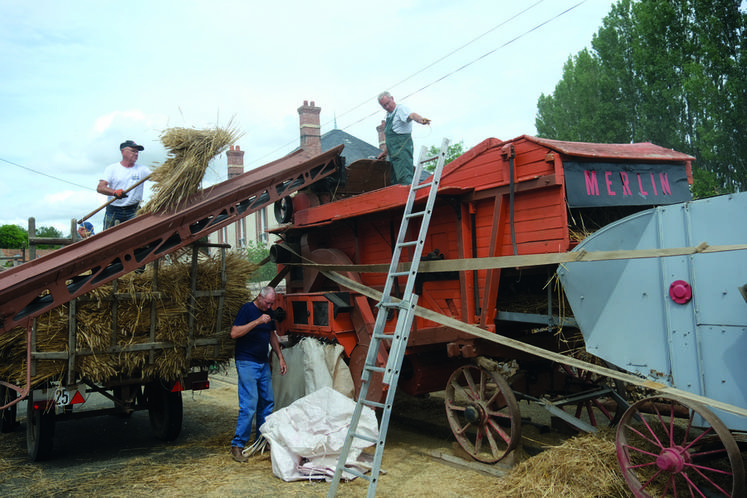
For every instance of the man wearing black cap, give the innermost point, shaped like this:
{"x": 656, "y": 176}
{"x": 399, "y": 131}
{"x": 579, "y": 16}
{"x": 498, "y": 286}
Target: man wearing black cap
{"x": 118, "y": 177}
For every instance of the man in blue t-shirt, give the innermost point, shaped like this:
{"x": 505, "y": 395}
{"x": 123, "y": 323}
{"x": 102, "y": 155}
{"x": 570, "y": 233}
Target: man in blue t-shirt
{"x": 254, "y": 332}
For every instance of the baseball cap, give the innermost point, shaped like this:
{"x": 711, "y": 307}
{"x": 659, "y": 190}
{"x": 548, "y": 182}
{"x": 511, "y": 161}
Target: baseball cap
{"x": 130, "y": 143}
{"x": 89, "y": 227}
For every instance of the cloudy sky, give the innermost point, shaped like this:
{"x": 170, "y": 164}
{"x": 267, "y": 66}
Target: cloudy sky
{"x": 80, "y": 77}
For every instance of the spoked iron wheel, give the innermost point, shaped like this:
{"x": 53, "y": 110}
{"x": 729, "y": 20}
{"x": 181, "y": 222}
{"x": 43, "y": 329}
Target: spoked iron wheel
{"x": 483, "y": 413}
{"x": 661, "y": 454}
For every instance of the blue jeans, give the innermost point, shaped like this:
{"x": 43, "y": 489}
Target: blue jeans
{"x": 120, "y": 214}
{"x": 255, "y": 396}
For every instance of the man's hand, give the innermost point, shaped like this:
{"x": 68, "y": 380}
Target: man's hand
{"x": 119, "y": 194}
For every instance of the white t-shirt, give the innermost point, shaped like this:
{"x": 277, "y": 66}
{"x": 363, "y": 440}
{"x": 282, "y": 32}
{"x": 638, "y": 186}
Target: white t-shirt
{"x": 118, "y": 177}
{"x": 400, "y": 123}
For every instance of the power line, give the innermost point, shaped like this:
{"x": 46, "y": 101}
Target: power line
{"x": 45, "y": 174}
{"x": 368, "y": 100}
{"x": 499, "y": 25}
{"x": 536, "y": 27}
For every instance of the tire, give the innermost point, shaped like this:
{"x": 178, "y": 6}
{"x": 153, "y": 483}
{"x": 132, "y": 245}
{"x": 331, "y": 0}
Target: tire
{"x": 39, "y": 431}
{"x": 8, "y": 416}
{"x": 164, "y": 411}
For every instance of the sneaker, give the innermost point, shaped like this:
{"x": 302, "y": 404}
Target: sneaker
{"x": 237, "y": 455}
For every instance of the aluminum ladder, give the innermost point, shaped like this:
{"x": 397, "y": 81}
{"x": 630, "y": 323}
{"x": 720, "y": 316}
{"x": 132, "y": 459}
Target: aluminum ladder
{"x": 406, "y": 308}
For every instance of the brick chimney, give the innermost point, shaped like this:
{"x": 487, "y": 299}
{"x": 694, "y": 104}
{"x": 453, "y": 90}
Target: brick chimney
{"x": 311, "y": 136}
{"x": 380, "y": 131}
{"x": 235, "y": 158}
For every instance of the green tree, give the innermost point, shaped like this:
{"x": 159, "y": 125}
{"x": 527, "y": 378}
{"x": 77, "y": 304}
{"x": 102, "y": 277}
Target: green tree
{"x": 672, "y": 73}
{"x": 50, "y": 233}
{"x": 257, "y": 252}
{"x": 13, "y": 237}
{"x": 454, "y": 151}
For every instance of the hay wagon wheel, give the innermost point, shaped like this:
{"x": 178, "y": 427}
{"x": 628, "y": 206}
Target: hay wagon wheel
{"x": 483, "y": 413}
{"x": 165, "y": 411}
{"x": 663, "y": 454}
{"x": 40, "y": 420}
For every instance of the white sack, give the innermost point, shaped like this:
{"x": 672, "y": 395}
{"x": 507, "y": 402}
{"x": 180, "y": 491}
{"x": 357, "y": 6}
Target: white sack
{"x": 314, "y": 428}
{"x": 311, "y": 366}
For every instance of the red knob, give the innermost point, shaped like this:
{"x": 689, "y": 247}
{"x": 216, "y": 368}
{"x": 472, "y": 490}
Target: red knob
{"x": 680, "y": 292}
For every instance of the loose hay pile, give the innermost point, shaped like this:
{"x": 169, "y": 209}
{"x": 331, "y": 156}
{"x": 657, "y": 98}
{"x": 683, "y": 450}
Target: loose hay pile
{"x": 135, "y": 297}
{"x": 583, "y": 466}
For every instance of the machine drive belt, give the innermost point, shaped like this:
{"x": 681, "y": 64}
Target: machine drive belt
{"x": 531, "y": 259}
{"x": 537, "y": 351}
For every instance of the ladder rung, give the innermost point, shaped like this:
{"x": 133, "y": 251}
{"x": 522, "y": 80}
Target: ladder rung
{"x": 397, "y": 305}
{"x": 356, "y": 473}
{"x": 366, "y": 438}
{"x": 399, "y": 274}
{"x": 372, "y": 368}
{"x": 384, "y": 337}
{"x": 373, "y": 403}
{"x": 415, "y": 214}
{"x": 408, "y": 243}
{"x": 422, "y": 185}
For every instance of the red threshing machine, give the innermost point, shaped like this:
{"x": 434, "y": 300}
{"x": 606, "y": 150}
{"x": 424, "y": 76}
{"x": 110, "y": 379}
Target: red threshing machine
{"x": 526, "y": 198}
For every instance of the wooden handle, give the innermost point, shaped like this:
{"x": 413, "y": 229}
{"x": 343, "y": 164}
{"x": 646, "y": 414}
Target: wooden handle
{"x": 109, "y": 202}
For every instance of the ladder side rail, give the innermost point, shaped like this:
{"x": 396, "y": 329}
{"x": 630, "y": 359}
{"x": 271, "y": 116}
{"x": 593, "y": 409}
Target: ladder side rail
{"x": 427, "y": 213}
{"x": 399, "y": 342}
{"x": 373, "y": 350}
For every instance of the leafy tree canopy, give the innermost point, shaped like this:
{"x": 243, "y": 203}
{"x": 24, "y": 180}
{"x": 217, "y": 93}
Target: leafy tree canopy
{"x": 257, "y": 252}
{"x": 454, "y": 151}
{"x": 48, "y": 232}
{"x": 13, "y": 237}
{"x": 672, "y": 73}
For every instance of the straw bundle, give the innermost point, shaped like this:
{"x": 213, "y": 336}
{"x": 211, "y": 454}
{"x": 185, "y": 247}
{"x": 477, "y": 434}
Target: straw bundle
{"x": 135, "y": 299}
{"x": 190, "y": 153}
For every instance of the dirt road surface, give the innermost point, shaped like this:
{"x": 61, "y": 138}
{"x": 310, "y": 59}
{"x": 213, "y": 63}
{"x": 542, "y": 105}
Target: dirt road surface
{"x": 114, "y": 456}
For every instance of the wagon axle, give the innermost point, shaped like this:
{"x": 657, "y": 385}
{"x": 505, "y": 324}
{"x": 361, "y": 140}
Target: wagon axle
{"x": 476, "y": 414}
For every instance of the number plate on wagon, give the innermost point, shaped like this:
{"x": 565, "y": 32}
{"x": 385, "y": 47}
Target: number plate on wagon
{"x": 71, "y": 396}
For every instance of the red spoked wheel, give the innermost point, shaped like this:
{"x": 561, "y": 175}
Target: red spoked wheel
{"x": 667, "y": 446}
{"x": 483, "y": 413}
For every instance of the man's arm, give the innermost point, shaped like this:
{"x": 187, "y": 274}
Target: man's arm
{"x": 275, "y": 344}
{"x": 241, "y": 330}
{"x": 103, "y": 188}
{"x": 383, "y": 154}
{"x": 414, "y": 116}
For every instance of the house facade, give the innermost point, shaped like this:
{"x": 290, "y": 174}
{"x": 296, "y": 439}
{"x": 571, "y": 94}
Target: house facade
{"x": 254, "y": 228}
